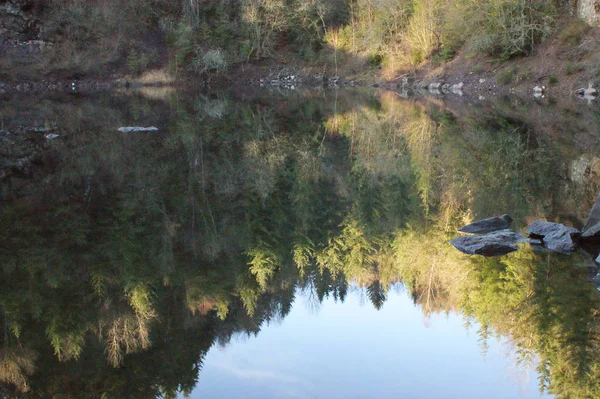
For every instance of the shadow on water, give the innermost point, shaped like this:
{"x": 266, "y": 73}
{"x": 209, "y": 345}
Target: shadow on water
{"x": 126, "y": 257}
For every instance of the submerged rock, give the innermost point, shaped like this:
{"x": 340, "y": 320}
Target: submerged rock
{"x": 488, "y": 225}
{"x": 134, "y": 129}
{"x": 497, "y": 243}
{"x": 555, "y": 236}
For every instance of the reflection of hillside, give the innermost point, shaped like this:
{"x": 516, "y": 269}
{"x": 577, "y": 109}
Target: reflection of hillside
{"x": 130, "y": 255}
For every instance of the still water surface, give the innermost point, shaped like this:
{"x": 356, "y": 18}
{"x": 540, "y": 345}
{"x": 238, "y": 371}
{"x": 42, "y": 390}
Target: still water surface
{"x": 387, "y": 353}
{"x": 275, "y": 245}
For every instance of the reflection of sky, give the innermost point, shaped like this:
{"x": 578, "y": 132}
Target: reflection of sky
{"x": 351, "y": 350}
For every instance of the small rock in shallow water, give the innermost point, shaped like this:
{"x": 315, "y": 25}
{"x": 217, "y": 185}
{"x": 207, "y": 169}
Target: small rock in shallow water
{"x": 556, "y": 237}
{"x": 51, "y": 136}
{"x": 488, "y": 225}
{"x": 497, "y": 243}
{"x": 134, "y": 129}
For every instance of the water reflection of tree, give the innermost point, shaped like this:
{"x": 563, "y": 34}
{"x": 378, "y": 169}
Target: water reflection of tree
{"x": 149, "y": 249}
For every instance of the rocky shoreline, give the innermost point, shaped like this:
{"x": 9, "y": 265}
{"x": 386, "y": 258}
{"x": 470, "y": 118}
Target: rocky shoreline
{"x": 286, "y": 79}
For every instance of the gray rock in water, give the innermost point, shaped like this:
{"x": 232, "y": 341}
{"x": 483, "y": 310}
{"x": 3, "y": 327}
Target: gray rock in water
{"x": 497, "y": 243}
{"x": 488, "y": 225}
{"x": 589, "y": 92}
{"x": 135, "y": 129}
{"x": 556, "y": 237}
{"x": 598, "y": 259}
{"x": 592, "y": 224}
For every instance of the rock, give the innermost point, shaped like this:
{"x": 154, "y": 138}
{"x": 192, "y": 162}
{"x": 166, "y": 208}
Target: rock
{"x": 41, "y": 129}
{"x": 488, "y": 225}
{"x": 590, "y": 92}
{"x": 497, "y": 243}
{"x": 408, "y": 80}
{"x": 51, "y": 136}
{"x": 556, "y": 237}
{"x": 481, "y": 81}
{"x": 135, "y": 129}
{"x": 598, "y": 259}
{"x": 591, "y": 227}
{"x": 539, "y": 91}
{"x": 589, "y": 11}
{"x": 457, "y": 88}
{"x": 435, "y": 86}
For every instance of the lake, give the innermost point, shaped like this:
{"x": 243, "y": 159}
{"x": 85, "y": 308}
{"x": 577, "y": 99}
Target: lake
{"x": 292, "y": 244}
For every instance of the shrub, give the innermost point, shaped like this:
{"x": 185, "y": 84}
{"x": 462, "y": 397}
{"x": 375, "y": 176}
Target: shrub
{"x": 137, "y": 62}
{"x": 552, "y": 80}
{"x": 374, "y": 59}
{"x": 211, "y": 60}
{"x": 573, "y": 32}
{"x": 507, "y": 28}
{"x": 572, "y": 68}
{"x": 507, "y": 76}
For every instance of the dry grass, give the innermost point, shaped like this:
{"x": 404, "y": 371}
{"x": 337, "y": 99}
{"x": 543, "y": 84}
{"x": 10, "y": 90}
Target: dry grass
{"x": 156, "y": 77}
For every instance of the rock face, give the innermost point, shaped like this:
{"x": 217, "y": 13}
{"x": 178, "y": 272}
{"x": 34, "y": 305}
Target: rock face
{"x": 555, "y": 236}
{"x": 488, "y": 225}
{"x": 496, "y": 243}
{"x": 589, "y": 11}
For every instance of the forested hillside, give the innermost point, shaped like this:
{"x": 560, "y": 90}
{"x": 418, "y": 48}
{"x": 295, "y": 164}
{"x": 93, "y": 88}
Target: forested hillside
{"x": 102, "y": 37}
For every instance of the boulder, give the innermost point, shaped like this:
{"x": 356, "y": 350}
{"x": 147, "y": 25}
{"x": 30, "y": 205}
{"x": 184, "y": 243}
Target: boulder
{"x": 488, "y": 225}
{"x": 555, "y": 236}
{"x": 497, "y": 243}
{"x": 592, "y": 224}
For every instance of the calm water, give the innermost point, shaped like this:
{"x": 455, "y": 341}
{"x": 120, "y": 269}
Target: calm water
{"x": 387, "y": 353}
{"x": 291, "y": 245}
